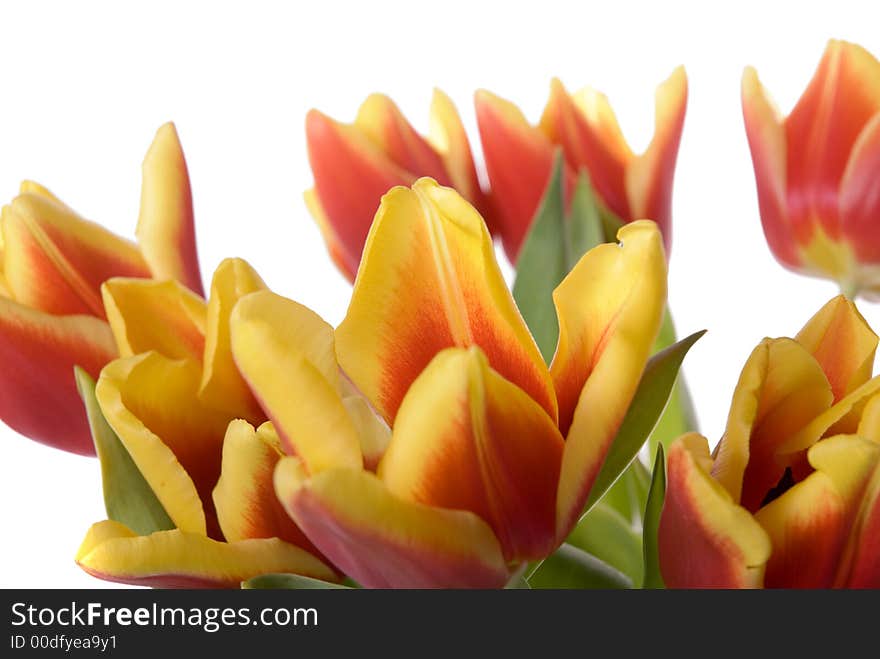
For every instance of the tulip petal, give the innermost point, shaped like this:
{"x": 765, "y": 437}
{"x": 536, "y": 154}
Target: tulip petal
{"x": 781, "y": 388}
{"x": 346, "y": 262}
{"x": 56, "y": 261}
{"x": 767, "y": 142}
{"x": 649, "y": 177}
{"x": 244, "y": 497}
{"x": 430, "y": 281}
{"x": 449, "y": 138}
{"x": 374, "y": 433}
{"x": 382, "y": 541}
{"x": 860, "y": 196}
{"x": 151, "y": 403}
{"x": 38, "y": 394}
{"x": 610, "y": 307}
{"x": 177, "y": 559}
{"x": 146, "y": 314}
{"x": 519, "y": 159}
{"x": 842, "y": 342}
{"x": 222, "y": 385}
{"x": 382, "y": 122}
{"x": 869, "y": 420}
{"x": 467, "y": 439}
{"x": 166, "y": 228}
{"x": 586, "y": 148}
{"x": 705, "y": 539}
{"x": 351, "y": 175}
{"x": 285, "y": 353}
{"x": 822, "y": 129}
{"x": 864, "y": 568}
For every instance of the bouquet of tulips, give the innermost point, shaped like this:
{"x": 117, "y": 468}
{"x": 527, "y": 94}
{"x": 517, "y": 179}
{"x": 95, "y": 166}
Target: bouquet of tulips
{"x": 454, "y": 431}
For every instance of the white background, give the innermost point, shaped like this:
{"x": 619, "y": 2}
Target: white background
{"x": 83, "y": 88}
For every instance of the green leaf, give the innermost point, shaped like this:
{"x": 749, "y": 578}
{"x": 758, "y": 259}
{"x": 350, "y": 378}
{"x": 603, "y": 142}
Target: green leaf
{"x": 584, "y": 225}
{"x": 646, "y": 407}
{"x": 678, "y": 417}
{"x": 128, "y": 498}
{"x": 629, "y": 493}
{"x": 570, "y": 567}
{"x": 289, "y": 582}
{"x": 542, "y": 264}
{"x": 518, "y": 580}
{"x": 607, "y": 535}
{"x": 653, "y": 508}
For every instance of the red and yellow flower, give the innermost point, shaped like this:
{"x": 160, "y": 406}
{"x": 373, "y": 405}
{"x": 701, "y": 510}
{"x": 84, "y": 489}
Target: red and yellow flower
{"x": 519, "y": 156}
{"x": 52, "y": 265}
{"x": 355, "y": 164}
{"x": 491, "y": 455}
{"x": 790, "y": 498}
{"x": 200, "y": 440}
{"x": 817, "y": 169}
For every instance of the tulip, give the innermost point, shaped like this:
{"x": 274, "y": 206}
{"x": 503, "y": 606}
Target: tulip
{"x": 355, "y": 164}
{"x": 817, "y": 169}
{"x": 790, "y": 498}
{"x": 491, "y": 455}
{"x": 198, "y": 437}
{"x": 519, "y": 156}
{"x": 52, "y": 265}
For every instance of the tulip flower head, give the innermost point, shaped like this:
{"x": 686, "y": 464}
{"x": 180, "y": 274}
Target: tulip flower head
{"x": 790, "y": 498}
{"x": 52, "y": 265}
{"x": 428, "y": 444}
{"x": 355, "y": 164}
{"x": 519, "y": 156}
{"x": 818, "y": 170}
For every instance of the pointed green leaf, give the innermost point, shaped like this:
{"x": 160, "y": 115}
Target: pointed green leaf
{"x": 647, "y": 405}
{"x": 604, "y": 533}
{"x": 629, "y": 493}
{"x": 678, "y": 418}
{"x": 542, "y": 264}
{"x": 653, "y": 508}
{"x": 570, "y": 567}
{"x": 128, "y": 497}
{"x": 584, "y": 225}
{"x": 289, "y": 582}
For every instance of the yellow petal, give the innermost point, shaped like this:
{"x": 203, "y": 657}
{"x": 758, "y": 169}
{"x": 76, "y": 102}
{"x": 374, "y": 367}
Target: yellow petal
{"x": 843, "y": 344}
{"x": 705, "y": 539}
{"x": 610, "y": 307}
{"x": 382, "y": 541}
{"x": 151, "y": 402}
{"x": 164, "y": 316}
{"x": 781, "y": 389}
{"x": 429, "y": 281}
{"x": 222, "y": 385}
{"x": 166, "y": 229}
{"x": 467, "y": 439}
{"x": 177, "y": 559}
{"x": 374, "y": 433}
{"x": 285, "y": 352}
{"x": 869, "y": 423}
{"x": 449, "y": 138}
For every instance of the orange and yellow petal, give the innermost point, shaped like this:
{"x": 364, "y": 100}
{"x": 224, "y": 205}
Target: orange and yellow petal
{"x": 649, "y": 177}
{"x": 222, "y": 385}
{"x": 179, "y": 559}
{"x": 344, "y": 260}
{"x": 519, "y": 159}
{"x": 285, "y": 352}
{"x": 780, "y": 390}
{"x": 859, "y": 201}
{"x": 767, "y": 142}
{"x": 840, "y": 100}
{"x": 374, "y": 433}
{"x": 610, "y": 307}
{"x": 430, "y": 281}
{"x": 38, "y": 395}
{"x": 863, "y": 568}
{"x": 146, "y": 314}
{"x": 842, "y": 342}
{"x": 152, "y": 404}
{"x": 56, "y": 261}
{"x": 705, "y": 539}
{"x": 351, "y": 175}
{"x": 166, "y": 227}
{"x": 585, "y": 147}
{"x": 383, "y": 123}
{"x": 244, "y": 497}
{"x": 382, "y": 541}
{"x": 467, "y": 439}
